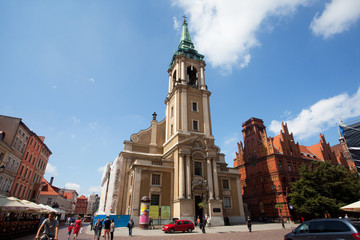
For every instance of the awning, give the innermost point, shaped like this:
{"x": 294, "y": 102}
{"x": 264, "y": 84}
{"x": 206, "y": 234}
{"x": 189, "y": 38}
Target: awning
{"x": 353, "y": 207}
{"x": 12, "y": 205}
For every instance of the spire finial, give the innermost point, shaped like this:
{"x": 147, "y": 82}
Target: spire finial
{"x": 184, "y": 18}
{"x": 154, "y": 115}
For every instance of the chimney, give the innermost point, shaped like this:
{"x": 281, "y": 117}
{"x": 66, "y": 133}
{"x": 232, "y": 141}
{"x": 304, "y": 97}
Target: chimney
{"x": 51, "y": 181}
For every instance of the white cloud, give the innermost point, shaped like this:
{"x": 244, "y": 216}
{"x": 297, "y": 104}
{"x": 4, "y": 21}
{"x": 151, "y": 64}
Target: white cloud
{"x": 322, "y": 115}
{"x": 101, "y": 169}
{"x": 91, "y": 80}
{"x": 176, "y": 24}
{"x": 73, "y": 186}
{"x": 51, "y": 170}
{"x": 226, "y": 31}
{"x": 75, "y": 120}
{"x": 337, "y": 17}
{"x": 95, "y": 189}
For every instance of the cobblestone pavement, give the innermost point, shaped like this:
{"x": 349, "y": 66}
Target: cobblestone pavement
{"x": 260, "y": 231}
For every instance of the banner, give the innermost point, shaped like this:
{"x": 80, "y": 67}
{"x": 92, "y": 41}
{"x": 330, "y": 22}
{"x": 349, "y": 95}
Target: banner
{"x": 154, "y": 211}
{"x": 165, "y": 212}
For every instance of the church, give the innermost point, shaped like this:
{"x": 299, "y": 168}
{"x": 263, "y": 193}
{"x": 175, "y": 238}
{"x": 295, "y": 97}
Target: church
{"x": 174, "y": 164}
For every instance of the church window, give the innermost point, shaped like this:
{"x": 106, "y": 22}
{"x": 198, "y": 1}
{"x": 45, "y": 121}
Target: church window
{"x": 172, "y": 112}
{"x": 198, "y": 168}
{"x": 195, "y": 125}
{"x": 194, "y": 106}
{"x": 227, "y": 202}
{"x": 155, "y": 199}
{"x": 225, "y": 183}
{"x": 155, "y": 179}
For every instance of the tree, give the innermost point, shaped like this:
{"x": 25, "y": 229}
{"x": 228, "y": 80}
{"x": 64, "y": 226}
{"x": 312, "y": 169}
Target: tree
{"x": 324, "y": 188}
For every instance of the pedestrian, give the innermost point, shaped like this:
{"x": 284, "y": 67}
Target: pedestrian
{"x": 107, "y": 224}
{"x": 51, "y": 227}
{"x": 112, "y": 229}
{"x": 151, "y": 223}
{"x": 96, "y": 229}
{"x": 248, "y": 223}
{"x": 346, "y": 216}
{"x": 198, "y": 222}
{"x": 70, "y": 228}
{"x": 100, "y": 226}
{"x": 282, "y": 222}
{"x": 208, "y": 221}
{"x": 302, "y": 219}
{"x": 203, "y": 225}
{"x": 91, "y": 223}
{"x": 77, "y": 227}
{"x": 130, "y": 226}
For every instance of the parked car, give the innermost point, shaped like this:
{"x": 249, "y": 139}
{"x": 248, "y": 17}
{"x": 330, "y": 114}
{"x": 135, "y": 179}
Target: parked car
{"x": 179, "y": 226}
{"x": 327, "y": 228}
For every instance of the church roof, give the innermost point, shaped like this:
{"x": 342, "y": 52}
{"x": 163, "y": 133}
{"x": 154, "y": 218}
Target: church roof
{"x": 186, "y": 46}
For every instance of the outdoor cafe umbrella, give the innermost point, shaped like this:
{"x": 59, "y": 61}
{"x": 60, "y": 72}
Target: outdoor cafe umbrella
{"x": 353, "y": 207}
{"x": 50, "y": 209}
{"x": 11, "y": 205}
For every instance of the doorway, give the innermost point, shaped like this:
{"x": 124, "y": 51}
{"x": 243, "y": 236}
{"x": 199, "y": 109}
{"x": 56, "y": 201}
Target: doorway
{"x": 199, "y": 212}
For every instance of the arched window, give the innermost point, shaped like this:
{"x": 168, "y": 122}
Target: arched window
{"x": 192, "y": 76}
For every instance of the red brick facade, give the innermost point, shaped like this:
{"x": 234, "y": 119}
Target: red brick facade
{"x": 268, "y": 165}
{"x": 81, "y": 205}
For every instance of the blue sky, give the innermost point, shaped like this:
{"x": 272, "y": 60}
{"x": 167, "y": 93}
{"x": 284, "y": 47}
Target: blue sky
{"x": 88, "y": 74}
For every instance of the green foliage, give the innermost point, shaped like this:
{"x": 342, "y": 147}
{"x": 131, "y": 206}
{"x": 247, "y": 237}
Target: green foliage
{"x": 202, "y": 205}
{"x": 324, "y": 188}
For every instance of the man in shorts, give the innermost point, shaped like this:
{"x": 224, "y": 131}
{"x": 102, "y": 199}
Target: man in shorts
{"x": 107, "y": 224}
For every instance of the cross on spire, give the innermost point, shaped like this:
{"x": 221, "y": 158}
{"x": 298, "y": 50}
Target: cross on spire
{"x": 184, "y": 18}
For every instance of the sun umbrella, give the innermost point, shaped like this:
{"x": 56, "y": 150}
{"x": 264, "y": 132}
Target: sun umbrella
{"x": 11, "y": 205}
{"x": 353, "y": 207}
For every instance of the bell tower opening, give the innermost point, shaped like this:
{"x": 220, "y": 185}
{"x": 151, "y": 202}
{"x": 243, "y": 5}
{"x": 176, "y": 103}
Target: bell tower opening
{"x": 193, "y": 76}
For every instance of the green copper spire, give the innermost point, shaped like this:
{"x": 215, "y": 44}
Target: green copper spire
{"x": 186, "y": 46}
{"x": 185, "y": 41}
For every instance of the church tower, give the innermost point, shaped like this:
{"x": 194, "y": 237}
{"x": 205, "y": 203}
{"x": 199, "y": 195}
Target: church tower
{"x": 175, "y": 162}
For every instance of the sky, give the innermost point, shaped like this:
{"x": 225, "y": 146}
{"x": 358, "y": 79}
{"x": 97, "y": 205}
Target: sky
{"x": 88, "y": 74}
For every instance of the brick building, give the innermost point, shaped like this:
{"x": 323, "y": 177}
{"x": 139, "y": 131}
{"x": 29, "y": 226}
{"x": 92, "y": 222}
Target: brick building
{"x": 26, "y": 161}
{"x": 81, "y": 205}
{"x": 268, "y": 165}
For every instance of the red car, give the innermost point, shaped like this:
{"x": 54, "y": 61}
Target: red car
{"x": 179, "y": 226}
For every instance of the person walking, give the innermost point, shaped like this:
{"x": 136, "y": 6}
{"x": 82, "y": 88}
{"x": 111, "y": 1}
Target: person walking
{"x": 51, "y": 227}
{"x": 77, "y": 227}
{"x": 130, "y": 226}
{"x": 203, "y": 225}
{"x": 107, "y": 224}
{"x": 248, "y": 223}
{"x": 96, "y": 229}
{"x": 112, "y": 229}
{"x": 70, "y": 228}
{"x": 208, "y": 221}
{"x": 100, "y": 226}
{"x": 198, "y": 222}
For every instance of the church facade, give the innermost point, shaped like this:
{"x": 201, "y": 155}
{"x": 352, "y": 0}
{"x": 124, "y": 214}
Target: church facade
{"x": 175, "y": 162}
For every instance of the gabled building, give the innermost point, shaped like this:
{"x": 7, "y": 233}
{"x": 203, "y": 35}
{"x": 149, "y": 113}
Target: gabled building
{"x": 175, "y": 162}
{"x": 55, "y": 197}
{"x": 268, "y": 165}
{"x": 81, "y": 205}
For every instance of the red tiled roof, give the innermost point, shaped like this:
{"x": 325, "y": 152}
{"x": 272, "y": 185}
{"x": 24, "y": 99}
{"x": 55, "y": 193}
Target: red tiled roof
{"x": 47, "y": 189}
{"x": 67, "y": 195}
{"x": 82, "y": 197}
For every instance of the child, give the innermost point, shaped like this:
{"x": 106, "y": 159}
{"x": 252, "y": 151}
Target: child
{"x": 69, "y": 230}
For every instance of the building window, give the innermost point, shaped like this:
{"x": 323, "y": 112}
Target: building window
{"x": 280, "y": 165}
{"x": 194, "y": 106}
{"x": 198, "y": 168}
{"x": 155, "y": 179}
{"x": 195, "y": 125}
{"x": 155, "y": 199}
{"x": 225, "y": 184}
{"x": 49, "y": 201}
{"x": 227, "y": 202}
{"x": 172, "y": 112}
{"x": 289, "y": 167}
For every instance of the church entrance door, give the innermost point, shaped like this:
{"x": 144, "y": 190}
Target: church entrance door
{"x": 199, "y": 212}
